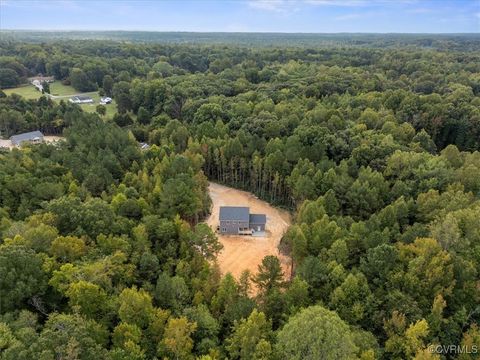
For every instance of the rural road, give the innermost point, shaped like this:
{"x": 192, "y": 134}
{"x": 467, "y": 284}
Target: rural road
{"x": 246, "y": 252}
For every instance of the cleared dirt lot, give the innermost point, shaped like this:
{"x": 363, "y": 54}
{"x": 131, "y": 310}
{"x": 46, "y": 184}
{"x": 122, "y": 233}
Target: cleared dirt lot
{"x": 246, "y": 252}
{"x": 52, "y": 138}
{"x": 47, "y": 139}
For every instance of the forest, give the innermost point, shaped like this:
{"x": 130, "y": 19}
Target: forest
{"x": 373, "y": 144}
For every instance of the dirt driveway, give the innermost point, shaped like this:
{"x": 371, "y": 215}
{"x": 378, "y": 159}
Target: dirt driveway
{"x": 246, "y": 252}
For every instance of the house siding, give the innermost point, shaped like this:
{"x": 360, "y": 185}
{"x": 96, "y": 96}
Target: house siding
{"x": 235, "y": 220}
{"x": 257, "y": 227}
{"x": 232, "y": 226}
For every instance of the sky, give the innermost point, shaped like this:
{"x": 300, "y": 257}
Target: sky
{"x": 293, "y": 16}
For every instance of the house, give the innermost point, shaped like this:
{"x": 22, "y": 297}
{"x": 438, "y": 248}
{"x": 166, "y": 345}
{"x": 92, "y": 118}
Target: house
{"x": 144, "y": 146}
{"x": 238, "y": 220}
{"x": 41, "y": 79}
{"x": 105, "y": 100}
{"x": 38, "y": 85}
{"x": 257, "y": 222}
{"x": 33, "y": 137}
{"x": 81, "y": 99}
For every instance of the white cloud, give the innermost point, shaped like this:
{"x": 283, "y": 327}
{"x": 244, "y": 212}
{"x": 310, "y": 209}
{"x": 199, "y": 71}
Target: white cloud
{"x": 278, "y": 6}
{"x": 346, "y": 3}
{"x": 293, "y": 5}
{"x": 284, "y": 6}
{"x": 357, "y": 3}
{"x": 39, "y": 4}
{"x": 348, "y": 17}
{"x": 420, "y": 11}
{"x": 269, "y": 5}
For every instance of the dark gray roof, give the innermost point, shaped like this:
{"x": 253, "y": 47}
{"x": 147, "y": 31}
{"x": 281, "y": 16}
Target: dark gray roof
{"x": 258, "y": 219}
{"x": 17, "y": 139}
{"x": 234, "y": 213}
{"x": 82, "y": 97}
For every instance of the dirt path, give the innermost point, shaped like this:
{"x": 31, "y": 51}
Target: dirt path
{"x": 246, "y": 252}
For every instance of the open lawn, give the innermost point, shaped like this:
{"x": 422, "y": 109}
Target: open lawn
{"x": 59, "y": 92}
{"x": 27, "y": 91}
{"x": 111, "y": 108}
{"x": 58, "y": 89}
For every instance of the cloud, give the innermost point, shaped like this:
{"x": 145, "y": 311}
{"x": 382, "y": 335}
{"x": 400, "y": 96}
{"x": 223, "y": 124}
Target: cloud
{"x": 349, "y": 17}
{"x": 276, "y": 6}
{"x": 420, "y": 11}
{"x": 357, "y": 3}
{"x": 361, "y": 15}
{"x": 270, "y": 5}
{"x": 343, "y": 3}
{"x": 283, "y": 6}
{"x": 39, "y": 4}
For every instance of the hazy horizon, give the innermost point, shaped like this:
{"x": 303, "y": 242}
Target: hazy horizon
{"x": 243, "y": 32}
{"x": 245, "y": 16}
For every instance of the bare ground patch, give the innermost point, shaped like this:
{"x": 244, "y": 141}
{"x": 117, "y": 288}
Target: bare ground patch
{"x": 48, "y": 139}
{"x": 246, "y": 252}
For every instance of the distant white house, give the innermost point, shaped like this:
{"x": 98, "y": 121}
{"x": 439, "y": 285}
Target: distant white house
{"x": 38, "y": 85}
{"x": 41, "y": 79}
{"x": 37, "y": 81}
{"x": 33, "y": 137}
{"x": 81, "y": 99}
{"x": 105, "y": 100}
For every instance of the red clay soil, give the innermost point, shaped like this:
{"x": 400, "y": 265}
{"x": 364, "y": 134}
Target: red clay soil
{"x": 246, "y": 252}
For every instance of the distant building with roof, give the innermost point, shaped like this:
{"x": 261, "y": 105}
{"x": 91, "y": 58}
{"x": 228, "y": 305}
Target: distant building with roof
{"x": 38, "y": 85}
{"x": 33, "y": 137}
{"x": 81, "y": 99}
{"x": 238, "y": 220}
{"x": 40, "y": 78}
{"x": 105, "y": 100}
{"x": 144, "y": 146}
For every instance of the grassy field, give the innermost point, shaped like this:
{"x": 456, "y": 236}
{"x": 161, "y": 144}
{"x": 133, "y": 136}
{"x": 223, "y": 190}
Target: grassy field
{"x": 27, "y": 91}
{"x": 111, "y": 108}
{"x": 58, "y": 89}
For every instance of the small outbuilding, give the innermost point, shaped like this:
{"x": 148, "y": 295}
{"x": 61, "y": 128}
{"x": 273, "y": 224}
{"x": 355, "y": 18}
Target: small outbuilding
{"x": 33, "y": 137}
{"x": 105, "y": 100}
{"x": 237, "y": 220}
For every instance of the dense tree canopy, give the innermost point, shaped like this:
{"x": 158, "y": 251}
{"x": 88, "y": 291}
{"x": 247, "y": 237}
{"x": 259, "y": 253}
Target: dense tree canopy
{"x": 373, "y": 147}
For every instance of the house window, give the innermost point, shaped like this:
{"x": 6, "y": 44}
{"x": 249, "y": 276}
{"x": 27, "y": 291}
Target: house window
{"x": 224, "y": 229}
